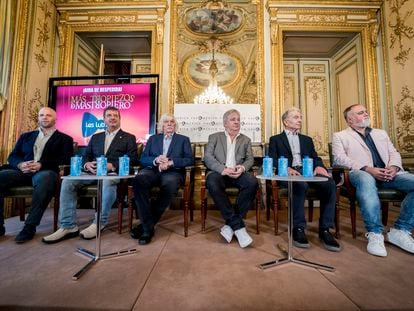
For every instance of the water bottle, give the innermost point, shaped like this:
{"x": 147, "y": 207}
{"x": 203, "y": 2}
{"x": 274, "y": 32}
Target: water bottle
{"x": 123, "y": 166}
{"x": 267, "y": 167}
{"x": 75, "y": 165}
{"x": 101, "y": 168}
{"x": 307, "y": 165}
{"x": 282, "y": 166}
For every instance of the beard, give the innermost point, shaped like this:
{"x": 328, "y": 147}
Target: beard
{"x": 364, "y": 123}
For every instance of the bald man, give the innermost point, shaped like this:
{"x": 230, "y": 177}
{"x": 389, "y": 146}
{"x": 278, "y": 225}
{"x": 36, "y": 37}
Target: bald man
{"x": 34, "y": 161}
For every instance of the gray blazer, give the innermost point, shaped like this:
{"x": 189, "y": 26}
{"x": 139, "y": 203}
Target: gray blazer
{"x": 216, "y": 149}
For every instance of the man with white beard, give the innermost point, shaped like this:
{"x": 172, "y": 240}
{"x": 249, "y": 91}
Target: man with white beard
{"x": 374, "y": 162}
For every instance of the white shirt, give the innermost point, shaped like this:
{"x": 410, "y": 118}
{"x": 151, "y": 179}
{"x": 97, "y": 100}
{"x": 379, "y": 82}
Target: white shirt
{"x": 109, "y": 137}
{"x": 294, "y": 144}
{"x": 231, "y": 150}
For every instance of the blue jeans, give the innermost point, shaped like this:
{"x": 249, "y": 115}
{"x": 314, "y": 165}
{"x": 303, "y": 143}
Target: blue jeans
{"x": 44, "y": 185}
{"x": 247, "y": 185}
{"x": 367, "y": 195}
{"x": 69, "y": 200}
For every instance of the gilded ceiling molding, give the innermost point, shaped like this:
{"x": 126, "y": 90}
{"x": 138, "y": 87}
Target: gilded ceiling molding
{"x": 401, "y": 31}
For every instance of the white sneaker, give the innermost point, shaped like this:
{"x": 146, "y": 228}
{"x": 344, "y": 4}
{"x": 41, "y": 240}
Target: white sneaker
{"x": 376, "y": 244}
{"x": 60, "y": 235}
{"x": 227, "y": 233}
{"x": 243, "y": 237}
{"x": 402, "y": 239}
{"x": 89, "y": 233}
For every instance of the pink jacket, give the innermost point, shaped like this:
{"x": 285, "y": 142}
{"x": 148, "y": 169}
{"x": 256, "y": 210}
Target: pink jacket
{"x": 350, "y": 150}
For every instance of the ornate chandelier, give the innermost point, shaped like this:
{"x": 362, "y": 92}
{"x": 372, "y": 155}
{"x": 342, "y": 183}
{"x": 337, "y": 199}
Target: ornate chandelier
{"x": 213, "y": 94}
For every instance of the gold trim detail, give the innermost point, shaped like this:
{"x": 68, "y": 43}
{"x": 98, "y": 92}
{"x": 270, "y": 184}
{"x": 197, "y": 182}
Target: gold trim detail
{"x": 405, "y": 114}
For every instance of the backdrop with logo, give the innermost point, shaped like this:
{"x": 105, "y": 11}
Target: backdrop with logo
{"x": 198, "y": 121}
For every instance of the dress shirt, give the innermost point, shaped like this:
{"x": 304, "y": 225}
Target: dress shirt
{"x": 109, "y": 137}
{"x": 40, "y": 143}
{"x": 166, "y": 143}
{"x": 294, "y": 144}
{"x": 231, "y": 150}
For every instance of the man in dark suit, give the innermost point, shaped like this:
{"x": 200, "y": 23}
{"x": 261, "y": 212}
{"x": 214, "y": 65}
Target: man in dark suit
{"x": 35, "y": 161}
{"x": 295, "y": 146}
{"x": 163, "y": 161}
{"x": 113, "y": 143}
{"x": 229, "y": 156}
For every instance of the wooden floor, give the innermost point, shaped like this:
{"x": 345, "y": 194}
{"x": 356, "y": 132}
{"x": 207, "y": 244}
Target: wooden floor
{"x": 200, "y": 272}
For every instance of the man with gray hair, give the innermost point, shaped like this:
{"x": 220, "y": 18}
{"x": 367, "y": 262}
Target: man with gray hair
{"x": 374, "y": 162}
{"x": 295, "y": 146}
{"x": 163, "y": 160}
{"x": 229, "y": 156}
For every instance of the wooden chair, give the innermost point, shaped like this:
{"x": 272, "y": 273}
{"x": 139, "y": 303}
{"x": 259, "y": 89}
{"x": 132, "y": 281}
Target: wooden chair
{"x": 185, "y": 195}
{"x": 232, "y": 192}
{"x": 347, "y": 190}
{"x": 276, "y": 194}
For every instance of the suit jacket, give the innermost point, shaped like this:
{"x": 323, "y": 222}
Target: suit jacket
{"x": 216, "y": 151}
{"x": 349, "y": 149}
{"x": 123, "y": 144}
{"x": 179, "y": 152}
{"x": 279, "y": 146}
{"x": 57, "y": 151}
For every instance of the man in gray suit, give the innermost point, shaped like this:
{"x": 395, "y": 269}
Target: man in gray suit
{"x": 229, "y": 156}
{"x": 113, "y": 143}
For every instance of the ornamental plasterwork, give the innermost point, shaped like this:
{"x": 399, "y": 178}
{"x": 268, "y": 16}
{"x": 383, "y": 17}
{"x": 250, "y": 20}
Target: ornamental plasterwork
{"x": 43, "y": 35}
{"x": 113, "y": 19}
{"x": 288, "y": 68}
{"x": 401, "y": 31}
{"x": 405, "y": 113}
{"x": 314, "y": 88}
{"x": 288, "y": 91}
{"x": 322, "y": 18}
{"x": 33, "y": 109}
{"x": 313, "y": 68}
{"x": 317, "y": 141}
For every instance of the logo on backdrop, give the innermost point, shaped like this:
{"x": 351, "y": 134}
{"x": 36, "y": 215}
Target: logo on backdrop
{"x": 91, "y": 124}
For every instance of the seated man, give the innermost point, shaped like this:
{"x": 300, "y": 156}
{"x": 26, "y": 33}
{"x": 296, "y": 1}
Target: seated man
{"x": 163, "y": 160}
{"x": 374, "y": 162}
{"x": 34, "y": 161}
{"x": 113, "y": 143}
{"x": 229, "y": 156}
{"x": 295, "y": 146}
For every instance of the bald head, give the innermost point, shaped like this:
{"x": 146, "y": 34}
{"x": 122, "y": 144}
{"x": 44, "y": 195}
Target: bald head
{"x": 47, "y": 118}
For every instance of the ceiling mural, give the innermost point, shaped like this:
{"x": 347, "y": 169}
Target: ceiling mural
{"x": 220, "y": 32}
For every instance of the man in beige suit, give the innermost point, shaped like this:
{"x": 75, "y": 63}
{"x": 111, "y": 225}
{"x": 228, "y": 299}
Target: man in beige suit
{"x": 229, "y": 156}
{"x": 374, "y": 161}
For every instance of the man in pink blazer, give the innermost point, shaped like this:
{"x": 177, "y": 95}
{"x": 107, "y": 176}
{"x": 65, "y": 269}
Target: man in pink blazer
{"x": 374, "y": 162}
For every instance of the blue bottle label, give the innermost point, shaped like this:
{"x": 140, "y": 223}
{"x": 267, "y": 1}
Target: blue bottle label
{"x": 75, "y": 166}
{"x": 101, "y": 166}
{"x": 282, "y": 166}
{"x": 307, "y": 164}
{"x": 267, "y": 167}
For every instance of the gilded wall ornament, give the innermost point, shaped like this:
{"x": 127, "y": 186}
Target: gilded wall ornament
{"x": 33, "y": 107}
{"x": 405, "y": 113}
{"x": 322, "y": 18}
{"x": 43, "y": 35}
{"x": 400, "y": 29}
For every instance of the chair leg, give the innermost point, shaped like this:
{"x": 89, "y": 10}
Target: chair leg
{"x": 185, "y": 210}
{"x": 55, "y": 214}
{"x": 257, "y": 204}
{"x": 310, "y": 208}
{"x": 130, "y": 208}
{"x": 337, "y": 233}
{"x": 120, "y": 214}
{"x": 203, "y": 215}
{"x": 384, "y": 209}
{"x": 352, "y": 209}
{"x": 19, "y": 203}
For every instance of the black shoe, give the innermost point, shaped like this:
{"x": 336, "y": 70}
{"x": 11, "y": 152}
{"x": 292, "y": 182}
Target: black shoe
{"x": 328, "y": 241}
{"x": 26, "y": 234}
{"x": 146, "y": 237}
{"x": 2, "y": 230}
{"x": 136, "y": 232}
{"x": 299, "y": 238}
